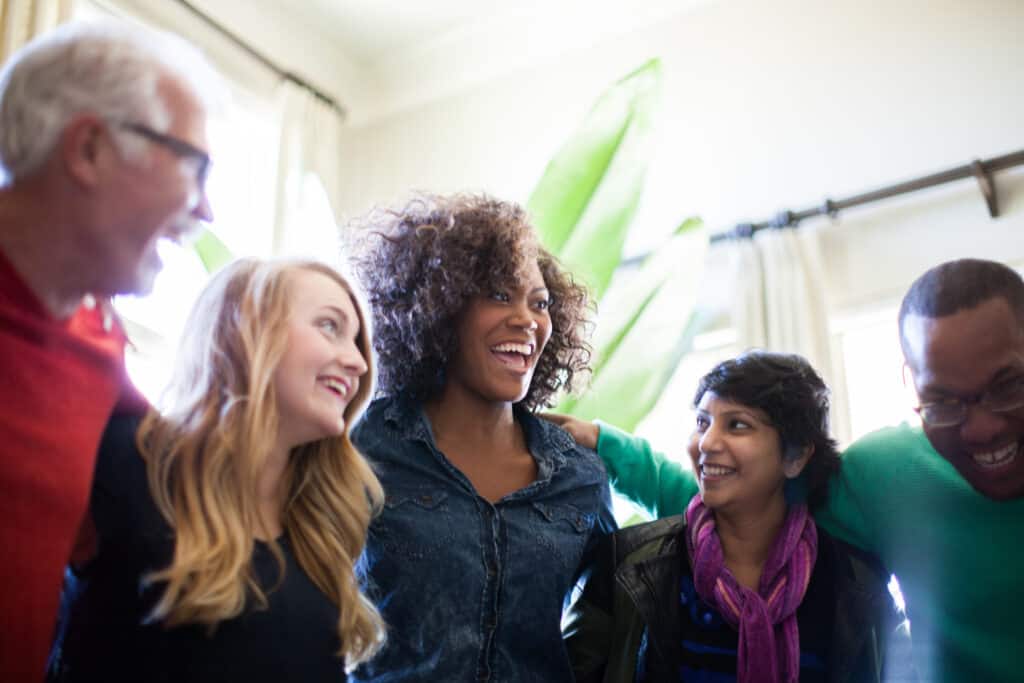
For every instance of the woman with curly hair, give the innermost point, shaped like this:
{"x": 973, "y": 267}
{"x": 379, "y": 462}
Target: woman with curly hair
{"x": 229, "y": 523}
{"x": 489, "y": 510}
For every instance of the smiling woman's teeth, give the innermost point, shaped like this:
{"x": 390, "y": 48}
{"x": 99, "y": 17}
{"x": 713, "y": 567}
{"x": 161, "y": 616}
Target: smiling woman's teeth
{"x": 337, "y": 386}
{"x": 514, "y": 355}
{"x": 524, "y": 349}
{"x": 715, "y": 470}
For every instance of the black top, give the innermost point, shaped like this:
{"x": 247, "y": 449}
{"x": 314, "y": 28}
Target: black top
{"x": 708, "y": 644}
{"x": 294, "y": 638}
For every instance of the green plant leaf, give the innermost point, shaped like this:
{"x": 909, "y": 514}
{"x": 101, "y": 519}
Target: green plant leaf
{"x": 625, "y": 303}
{"x": 582, "y": 207}
{"x": 211, "y": 250}
{"x": 626, "y": 391}
{"x": 583, "y": 204}
{"x": 645, "y": 327}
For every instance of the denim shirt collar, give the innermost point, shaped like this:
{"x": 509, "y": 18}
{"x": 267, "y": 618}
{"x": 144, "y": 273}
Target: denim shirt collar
{"x": 547, "y": 443}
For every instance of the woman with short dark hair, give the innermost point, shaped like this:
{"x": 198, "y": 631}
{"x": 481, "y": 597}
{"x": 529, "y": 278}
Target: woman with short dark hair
{"x": 744, "y": 583}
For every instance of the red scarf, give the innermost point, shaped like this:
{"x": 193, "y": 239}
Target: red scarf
{"x": 769, "y": 647}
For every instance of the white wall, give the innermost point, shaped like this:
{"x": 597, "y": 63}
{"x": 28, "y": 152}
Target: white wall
{"x": 268, "y": 27}
{"x": 768, "y": 105}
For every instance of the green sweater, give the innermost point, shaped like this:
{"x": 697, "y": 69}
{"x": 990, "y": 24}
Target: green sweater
{"x": 958, "y": 555}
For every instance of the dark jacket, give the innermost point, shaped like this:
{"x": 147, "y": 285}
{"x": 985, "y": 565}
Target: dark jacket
{"x": 631, "y": 595}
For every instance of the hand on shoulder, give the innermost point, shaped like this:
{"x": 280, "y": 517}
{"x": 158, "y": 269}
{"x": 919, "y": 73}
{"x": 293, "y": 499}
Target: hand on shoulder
{"x": 585, "y": 433}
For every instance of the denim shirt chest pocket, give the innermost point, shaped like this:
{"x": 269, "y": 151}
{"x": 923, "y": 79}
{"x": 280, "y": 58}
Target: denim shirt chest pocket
{"x": 415, "y": 523}
{"x": 562, "y": 531}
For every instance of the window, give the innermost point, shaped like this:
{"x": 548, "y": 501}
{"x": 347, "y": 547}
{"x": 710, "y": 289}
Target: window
{"x": 872, "y": 363}
{"x": 243, "y": 140}
{"x": 241, "y": 187}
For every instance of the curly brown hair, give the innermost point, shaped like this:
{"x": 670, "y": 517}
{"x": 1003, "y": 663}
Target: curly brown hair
{"x": 423, "y": 263}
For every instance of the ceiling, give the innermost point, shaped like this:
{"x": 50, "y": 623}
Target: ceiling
{"x": 382, "y": 56}
{"x": 372, "y": 31}
{"x": 376, "y": 32}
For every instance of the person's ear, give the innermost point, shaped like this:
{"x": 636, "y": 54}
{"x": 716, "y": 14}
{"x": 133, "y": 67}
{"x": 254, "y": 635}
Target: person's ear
{"x": 793, "y": 466}
{"x": 81, "y": 148}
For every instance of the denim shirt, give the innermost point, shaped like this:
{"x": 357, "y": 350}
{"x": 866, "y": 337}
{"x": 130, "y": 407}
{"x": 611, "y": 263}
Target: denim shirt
{"x": 470, "y": 590}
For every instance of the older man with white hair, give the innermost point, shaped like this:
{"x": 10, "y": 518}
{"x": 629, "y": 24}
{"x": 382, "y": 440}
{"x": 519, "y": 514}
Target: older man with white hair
{"x": 103, "y": 153}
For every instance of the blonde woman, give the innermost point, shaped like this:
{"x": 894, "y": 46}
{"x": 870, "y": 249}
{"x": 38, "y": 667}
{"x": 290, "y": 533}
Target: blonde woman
{"x": 228, "y": 524}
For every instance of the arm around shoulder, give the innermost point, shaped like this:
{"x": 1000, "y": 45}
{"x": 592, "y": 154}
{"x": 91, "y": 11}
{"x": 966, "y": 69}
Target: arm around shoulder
{"x": 871, "y": 479}
{"x": 648, "y": 478}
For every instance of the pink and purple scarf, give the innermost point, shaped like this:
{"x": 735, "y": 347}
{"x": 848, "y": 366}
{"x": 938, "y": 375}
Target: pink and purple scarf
{"x": 769, "y": 644}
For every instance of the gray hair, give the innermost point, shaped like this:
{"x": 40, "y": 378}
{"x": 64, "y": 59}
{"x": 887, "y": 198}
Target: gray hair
{"x": 111, "y": 69}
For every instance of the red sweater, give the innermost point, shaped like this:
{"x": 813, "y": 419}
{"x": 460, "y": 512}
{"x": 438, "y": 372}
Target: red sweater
{"x": 59, "y": 382}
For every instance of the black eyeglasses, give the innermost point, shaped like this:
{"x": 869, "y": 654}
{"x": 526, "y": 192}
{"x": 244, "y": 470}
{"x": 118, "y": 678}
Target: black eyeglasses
{"x": 177, "y": 146}
{"x": 951, "y": 412}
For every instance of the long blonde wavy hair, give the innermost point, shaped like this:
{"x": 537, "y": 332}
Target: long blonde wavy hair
{"x": 205, "y": 451}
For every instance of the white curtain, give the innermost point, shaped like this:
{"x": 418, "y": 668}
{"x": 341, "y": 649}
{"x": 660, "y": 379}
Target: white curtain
{"x": 781, "y": 305}
{"x": 309, "y": 175}
{"x": 23, "y": 20}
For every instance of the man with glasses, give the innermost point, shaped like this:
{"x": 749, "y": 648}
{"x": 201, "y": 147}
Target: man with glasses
{"x": 102, "y": 155}
{"x": 943, "y": 505}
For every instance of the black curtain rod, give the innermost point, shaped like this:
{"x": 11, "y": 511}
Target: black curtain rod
{"x": 263, "y": 59}
{"x": 981, "y": 170}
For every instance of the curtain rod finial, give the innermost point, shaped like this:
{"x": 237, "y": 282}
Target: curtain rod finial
{"x": 987, "y": 187}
